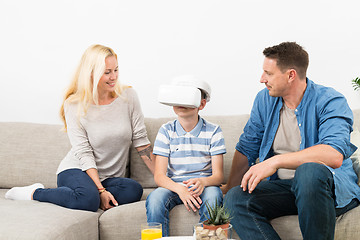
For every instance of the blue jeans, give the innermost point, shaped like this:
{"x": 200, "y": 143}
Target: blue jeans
{"x": 310, "y": 195}
{"x": 160, "y": 202}
{"x": 76, "y": 190}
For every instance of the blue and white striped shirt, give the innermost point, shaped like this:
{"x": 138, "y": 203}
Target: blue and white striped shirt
{"x": 189, "y": 153}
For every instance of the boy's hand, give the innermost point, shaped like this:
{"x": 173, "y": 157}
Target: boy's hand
{"x": 195, "y": 186}
{"x": 189, "y": 200}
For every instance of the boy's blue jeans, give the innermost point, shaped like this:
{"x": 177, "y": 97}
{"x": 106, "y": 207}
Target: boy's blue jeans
{"x": 161, "y": 201}
{"x": 310, "y": 195}
{"x": 76, "y": 190}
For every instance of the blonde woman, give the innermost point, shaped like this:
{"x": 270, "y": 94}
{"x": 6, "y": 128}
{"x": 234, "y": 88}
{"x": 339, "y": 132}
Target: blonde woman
{"x": 103, "y": 119}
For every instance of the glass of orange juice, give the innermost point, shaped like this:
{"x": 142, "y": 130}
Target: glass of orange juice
{"x": 151, "y": 230}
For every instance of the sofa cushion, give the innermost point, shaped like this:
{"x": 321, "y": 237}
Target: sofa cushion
{"x": 287, "y": 227}
{"x": 31, "y": 153}
{"x": 123, "y": 222}
{"x": 355, "y": 139}
{"x": 138, "y": 169}
{"x": 43, "y": 221}
{"x": 132, "y": 215}
{"x": 232, "y": 127}
{"x": 347, "y": 225}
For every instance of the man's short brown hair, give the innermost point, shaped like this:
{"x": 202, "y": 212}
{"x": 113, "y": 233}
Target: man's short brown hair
{"x": 289, "y": 55}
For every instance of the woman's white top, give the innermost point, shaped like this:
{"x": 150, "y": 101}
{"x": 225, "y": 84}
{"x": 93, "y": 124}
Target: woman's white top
{"x": 102, "y": 138}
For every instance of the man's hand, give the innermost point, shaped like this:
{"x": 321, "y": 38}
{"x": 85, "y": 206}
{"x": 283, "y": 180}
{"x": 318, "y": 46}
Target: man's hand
{"x": 106, "y": 198}
{"x": 189, "y": 200}
{"x": 258, "y": 172}
{"x": 195, "y": 186}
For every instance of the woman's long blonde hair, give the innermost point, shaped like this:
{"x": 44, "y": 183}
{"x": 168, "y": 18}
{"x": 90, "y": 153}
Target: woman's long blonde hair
{"x": 83, "y": 87}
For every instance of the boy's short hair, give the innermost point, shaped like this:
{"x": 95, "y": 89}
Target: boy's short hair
{"x": 203, "y": 94}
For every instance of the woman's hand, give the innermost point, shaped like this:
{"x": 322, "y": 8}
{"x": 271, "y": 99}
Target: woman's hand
{"x": 189, "y": 200}
{"x": 107, "y": 200}
{"x": 195, "y": 186}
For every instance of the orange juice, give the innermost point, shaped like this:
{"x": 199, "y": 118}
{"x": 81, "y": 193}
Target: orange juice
{"x": 150, "y": 234}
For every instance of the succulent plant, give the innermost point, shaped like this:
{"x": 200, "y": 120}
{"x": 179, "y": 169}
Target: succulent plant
{"x": 356, "y": 83}
{"x": 218, "y": 214}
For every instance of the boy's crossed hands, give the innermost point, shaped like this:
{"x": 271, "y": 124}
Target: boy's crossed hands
{"x": 190, "y": 193}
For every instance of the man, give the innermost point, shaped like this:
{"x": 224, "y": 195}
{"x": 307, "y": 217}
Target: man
{"x": 300, "y": 132}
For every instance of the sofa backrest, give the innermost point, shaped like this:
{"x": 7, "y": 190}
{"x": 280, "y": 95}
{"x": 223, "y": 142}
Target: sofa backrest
{"x": 31, "y": 152}
{"x": 355, "y": 139}
{"x": 232, "y": 127}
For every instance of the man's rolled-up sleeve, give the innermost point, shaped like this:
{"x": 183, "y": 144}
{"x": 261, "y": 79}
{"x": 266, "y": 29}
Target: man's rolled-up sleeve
{"x": 335, "y": 125}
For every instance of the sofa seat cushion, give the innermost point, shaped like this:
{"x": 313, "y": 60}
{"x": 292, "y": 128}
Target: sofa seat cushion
{"x": 146, "y": 193}
{"x": 347, "y": 225}
{"x": 346, "y": 228}
{"x": 287, "y": 227}
{"x": 44, "y": 221}
{"x": 131, "y": 216}
{"x": 124, "y": 222}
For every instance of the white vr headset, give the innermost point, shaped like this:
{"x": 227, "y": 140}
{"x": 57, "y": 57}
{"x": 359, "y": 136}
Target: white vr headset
{"x": 184, "y": 91}
{"x": 184, "y": 96}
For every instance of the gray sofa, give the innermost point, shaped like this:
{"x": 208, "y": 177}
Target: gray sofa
{"x": 31, "y": 153}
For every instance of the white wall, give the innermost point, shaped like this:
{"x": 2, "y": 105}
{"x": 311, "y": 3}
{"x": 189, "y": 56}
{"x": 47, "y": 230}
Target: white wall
{"x": 156, "y": 40}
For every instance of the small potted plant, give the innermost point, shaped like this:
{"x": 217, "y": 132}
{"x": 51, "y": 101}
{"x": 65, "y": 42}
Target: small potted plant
{"x": 217, "y": 224}
{"x": 356, "y": 83}
{"x": 219, "y": 216}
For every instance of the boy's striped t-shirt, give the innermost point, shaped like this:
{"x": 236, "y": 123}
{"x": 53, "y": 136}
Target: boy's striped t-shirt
{"x": 189, "y": 153}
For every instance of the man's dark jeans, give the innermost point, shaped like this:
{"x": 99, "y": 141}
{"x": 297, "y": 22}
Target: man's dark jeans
{"x": 310, "y": 195}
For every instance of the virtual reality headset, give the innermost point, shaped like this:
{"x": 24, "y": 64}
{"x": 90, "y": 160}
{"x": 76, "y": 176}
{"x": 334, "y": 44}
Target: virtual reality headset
{"x": 184, "y": 91}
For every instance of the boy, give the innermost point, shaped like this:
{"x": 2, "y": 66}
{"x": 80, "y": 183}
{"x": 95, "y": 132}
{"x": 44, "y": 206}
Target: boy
{"x": 189, "y": 155}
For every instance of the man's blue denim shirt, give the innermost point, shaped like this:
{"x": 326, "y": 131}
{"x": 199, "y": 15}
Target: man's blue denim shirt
{"x": 323, "y": 117}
